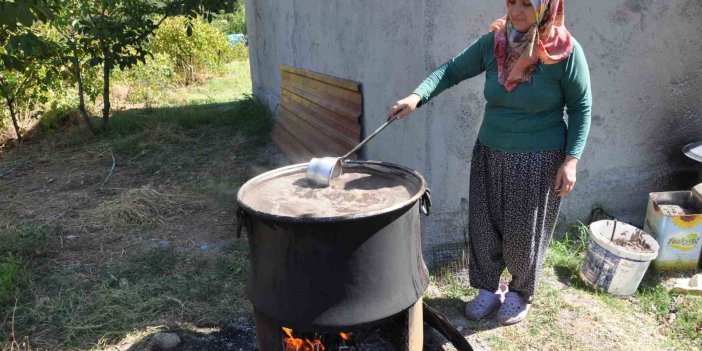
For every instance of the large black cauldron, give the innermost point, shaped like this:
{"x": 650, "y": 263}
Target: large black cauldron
{"x": 330, "y": 273}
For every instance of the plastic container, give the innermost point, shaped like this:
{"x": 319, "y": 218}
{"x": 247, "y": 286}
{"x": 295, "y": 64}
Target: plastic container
{"x": 612, "y": 268}
{"x": 680, "y": 236}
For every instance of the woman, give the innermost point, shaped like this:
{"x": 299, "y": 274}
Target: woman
{"x": 525, "y": 157}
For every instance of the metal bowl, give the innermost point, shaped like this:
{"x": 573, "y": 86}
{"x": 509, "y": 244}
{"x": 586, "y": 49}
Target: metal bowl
{"x": 693, "y": 151}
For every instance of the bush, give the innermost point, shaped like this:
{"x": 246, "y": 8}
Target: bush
{"x": 205, "y": 50}
{"x": 145, "y": 83}
{"x": 240, "y": 52}
{"x": 233, "y": 22}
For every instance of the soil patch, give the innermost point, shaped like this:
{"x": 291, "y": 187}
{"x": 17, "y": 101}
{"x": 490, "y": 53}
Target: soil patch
{"x": 676, "y": 210}
{"x": 636, "y": 242}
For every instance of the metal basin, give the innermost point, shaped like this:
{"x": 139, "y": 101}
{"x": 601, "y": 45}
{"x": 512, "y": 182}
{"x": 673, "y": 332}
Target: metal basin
{"x": 318, "y": 273}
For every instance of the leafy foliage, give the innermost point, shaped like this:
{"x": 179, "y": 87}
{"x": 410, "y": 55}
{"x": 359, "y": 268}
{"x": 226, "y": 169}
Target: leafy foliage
{"x": 48, "y": 47}
{"x": 14, "y": 14}
{"x": 232, "y": 22}
{"x": 146, "y": 83}
{"x": 22, "y": 56}
{"x": 206, "y": 49}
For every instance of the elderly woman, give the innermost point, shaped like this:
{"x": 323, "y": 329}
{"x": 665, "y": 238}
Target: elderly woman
{"x": 526, "y": 156}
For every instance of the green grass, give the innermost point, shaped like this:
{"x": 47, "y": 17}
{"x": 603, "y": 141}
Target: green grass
{"x": 656, "y": 299}
{"x": 565, "y": 254}
{"x": 22, "y": 239}
{"x": 689, "y": 319}
{"x": 182, "y": 138}
{"x": 20, "y": 242}
{"x": 200, "y": 142}
{"x": 10, "y": 270}
{"x": 235, "y": 84}
{"x": 159, "y": 285}
{"x": 565, "y": 305}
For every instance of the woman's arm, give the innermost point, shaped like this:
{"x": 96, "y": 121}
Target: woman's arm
{"x": 575, "y": 84}
{"x": 577, "y": 93}
{"x": 467, "y": 64}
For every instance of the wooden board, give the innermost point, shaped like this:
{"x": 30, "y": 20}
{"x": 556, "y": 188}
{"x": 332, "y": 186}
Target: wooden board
{"x": 319, "y": 115}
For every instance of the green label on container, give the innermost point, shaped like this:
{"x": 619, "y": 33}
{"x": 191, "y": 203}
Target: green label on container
{"x": 685, "y": 242}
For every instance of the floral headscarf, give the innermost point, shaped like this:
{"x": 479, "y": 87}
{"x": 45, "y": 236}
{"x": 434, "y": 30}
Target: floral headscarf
{"x": 518, "y": 53}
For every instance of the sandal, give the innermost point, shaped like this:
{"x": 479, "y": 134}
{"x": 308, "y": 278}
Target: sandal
{"x": 482, "y": 305}
{"x": 513, "y": 310}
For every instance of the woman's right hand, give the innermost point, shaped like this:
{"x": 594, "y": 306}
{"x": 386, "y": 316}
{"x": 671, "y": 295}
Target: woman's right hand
{"x": 404, "y": 106}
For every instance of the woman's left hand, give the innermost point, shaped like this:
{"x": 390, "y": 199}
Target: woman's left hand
{"x": 565, "y": 178}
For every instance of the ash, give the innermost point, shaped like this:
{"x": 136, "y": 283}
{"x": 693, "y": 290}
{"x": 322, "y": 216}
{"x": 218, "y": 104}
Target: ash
{"x": 368, "y": 341}
{"x": 233, "y": 335}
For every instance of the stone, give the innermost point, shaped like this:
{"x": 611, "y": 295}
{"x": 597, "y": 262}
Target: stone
{"x": 165, "y": 341}
{"x": 689, "y": 286}
{"x": 72, "y": 237}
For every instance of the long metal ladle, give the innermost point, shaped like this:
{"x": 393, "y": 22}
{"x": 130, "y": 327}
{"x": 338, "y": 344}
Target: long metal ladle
{"x": 321, "y": 170}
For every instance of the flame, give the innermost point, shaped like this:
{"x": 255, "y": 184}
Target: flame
{"x": 296, "y": 344}
{"x": 345, "y": 336}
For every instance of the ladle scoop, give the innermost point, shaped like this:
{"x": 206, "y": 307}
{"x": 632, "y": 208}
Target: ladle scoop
{"x": 321, "y": 170}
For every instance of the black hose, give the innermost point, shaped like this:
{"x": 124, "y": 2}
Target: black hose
{"x": 439, "y": 322}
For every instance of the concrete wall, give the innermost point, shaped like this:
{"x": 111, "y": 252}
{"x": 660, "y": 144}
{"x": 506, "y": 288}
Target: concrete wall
{"x": 646, "y": 66}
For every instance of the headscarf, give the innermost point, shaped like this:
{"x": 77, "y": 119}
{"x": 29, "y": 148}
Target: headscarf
{"x": 518, "y": 53}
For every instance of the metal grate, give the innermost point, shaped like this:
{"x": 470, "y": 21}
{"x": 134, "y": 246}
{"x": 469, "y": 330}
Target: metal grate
{"x": 450, "y": 258}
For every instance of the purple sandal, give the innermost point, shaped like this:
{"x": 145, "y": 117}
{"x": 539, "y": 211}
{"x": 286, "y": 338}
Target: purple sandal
{"x": 514, "y": 309}
{"x": 485, "y": 303}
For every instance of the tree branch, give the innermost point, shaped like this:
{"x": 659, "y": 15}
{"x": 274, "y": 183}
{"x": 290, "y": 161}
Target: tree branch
{"x": 19, "y": 88}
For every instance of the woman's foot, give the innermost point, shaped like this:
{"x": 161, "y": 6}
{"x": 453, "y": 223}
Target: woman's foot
{"x": 513, "y": 310}
{"x": 485, "y": 303}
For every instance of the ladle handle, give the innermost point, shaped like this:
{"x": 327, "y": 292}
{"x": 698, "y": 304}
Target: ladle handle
{"x": 392, "y": 119}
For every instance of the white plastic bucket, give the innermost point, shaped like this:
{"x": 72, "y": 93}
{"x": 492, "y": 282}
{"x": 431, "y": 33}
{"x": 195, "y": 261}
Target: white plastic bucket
{"x": 612, "y": 268}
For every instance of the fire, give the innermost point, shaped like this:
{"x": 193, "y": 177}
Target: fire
{"x": 296, "y": 344}
{"x": 315, "y": 344}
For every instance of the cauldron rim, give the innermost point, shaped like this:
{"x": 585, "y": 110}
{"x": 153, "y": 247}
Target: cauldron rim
{"x": 356, "y": 216}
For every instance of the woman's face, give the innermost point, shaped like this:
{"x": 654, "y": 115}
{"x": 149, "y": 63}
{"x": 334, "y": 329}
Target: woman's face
{"x": 522, "y": 14}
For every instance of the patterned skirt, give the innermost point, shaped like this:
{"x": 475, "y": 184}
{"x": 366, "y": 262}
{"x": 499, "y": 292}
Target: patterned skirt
{"x": 513, "y": 209}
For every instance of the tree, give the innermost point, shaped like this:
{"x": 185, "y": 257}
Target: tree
{"x": 27, "y": 80}
{"x": 21, "y": 53}
{"x": 22, "y": 13}
{"x": 113, "y": 34}
{"x": 85, "y": 35}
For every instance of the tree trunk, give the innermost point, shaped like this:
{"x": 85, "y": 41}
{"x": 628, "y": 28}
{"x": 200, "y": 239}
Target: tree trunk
{"x": 11, "y": 106}
{"x": 81, "y": 97}
{"x": 107, "y": 66}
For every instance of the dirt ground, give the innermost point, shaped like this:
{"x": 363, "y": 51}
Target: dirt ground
{"x": 115, "y": 205}
{"x": 67, "y": 190}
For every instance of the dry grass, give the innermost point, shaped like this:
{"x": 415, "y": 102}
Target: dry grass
{"x": 139, "y": 206}
{"x": 105, "y": 264}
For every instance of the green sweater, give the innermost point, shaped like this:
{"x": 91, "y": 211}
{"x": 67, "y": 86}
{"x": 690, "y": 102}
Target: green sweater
{"x": 530, "y": 118}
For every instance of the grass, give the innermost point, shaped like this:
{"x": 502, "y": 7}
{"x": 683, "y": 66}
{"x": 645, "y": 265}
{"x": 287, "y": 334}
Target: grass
{"x": 157, "y": 286}
{"x": 20, "y": 243}
{"x": 568, "y": 315}
{"x": 10, "y": 270}
{"x": 91, "y": 264}
{"x": 221, "y": 90}
{"x": 155, "y": 250}
{"x": 138, "y": 206}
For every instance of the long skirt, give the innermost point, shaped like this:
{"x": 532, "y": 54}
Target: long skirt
{"x": 513, "y": 209}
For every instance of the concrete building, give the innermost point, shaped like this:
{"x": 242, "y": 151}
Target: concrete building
{"x": 645, "y": 62}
